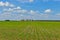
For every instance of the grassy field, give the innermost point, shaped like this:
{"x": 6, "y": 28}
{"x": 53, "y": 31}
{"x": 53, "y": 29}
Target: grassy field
{"x": 29, "y": 30}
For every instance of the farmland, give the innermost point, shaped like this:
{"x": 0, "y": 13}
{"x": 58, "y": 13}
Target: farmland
{"x": 29, "y": 30}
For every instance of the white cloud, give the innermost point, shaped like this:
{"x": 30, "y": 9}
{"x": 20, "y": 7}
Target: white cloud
{"x": 19, "y": 12}
{"x": 31, "y": 0}
{"x": 1, "y": 3}
{"x": 7, "y": 4}
{"x": 33, "y": 12}
{"x": 8, "y": 16}
{"x": 58, "y": 14}
{"x": 17, "y": 7}
{"x": 24, "y": 1}
{"x": 24, "y": 11}
{"x": 48, "y": 11}
{"x": 8, "y": 10}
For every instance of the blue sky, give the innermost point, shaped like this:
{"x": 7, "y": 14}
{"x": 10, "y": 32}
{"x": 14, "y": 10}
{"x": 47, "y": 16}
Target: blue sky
{"x": 30, "y": 9}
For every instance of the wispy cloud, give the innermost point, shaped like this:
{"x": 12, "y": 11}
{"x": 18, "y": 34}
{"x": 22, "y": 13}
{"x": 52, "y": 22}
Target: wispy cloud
{"x": 7, "y": 4}
{"x": 19, "y": 13}
{"x": 48, "y": 11}
{"x": 25, "y": 1}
